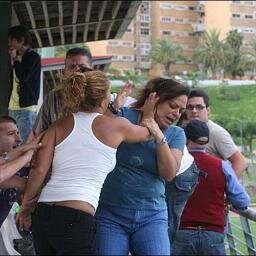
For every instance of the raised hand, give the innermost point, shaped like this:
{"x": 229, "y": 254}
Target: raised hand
{"x": 123, "y": 94}
{"x": 149, "y": 106}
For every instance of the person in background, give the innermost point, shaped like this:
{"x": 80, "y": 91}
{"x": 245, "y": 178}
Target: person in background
{"x": 77, "y": 59}
{"x": 25, "y": 79}
{"x": 80, "y": 149}
{"x": 202, "y": 223}
{"x": 132, "y": 213}
{"x": 220, "y": 143}
{"x": 12, "y": 158}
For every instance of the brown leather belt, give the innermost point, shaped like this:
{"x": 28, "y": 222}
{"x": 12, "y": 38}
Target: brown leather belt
{"x": 198, "y": 227}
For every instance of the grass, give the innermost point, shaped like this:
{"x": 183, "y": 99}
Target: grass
{"x": 224, "y": 107}
{"x": 237, "y": 232}
{"x": 234, "y": 109}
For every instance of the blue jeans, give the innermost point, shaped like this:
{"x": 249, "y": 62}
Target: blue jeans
{"x": 199, "y": 242}
{"x": 177, "y": 193}
{"x": 25, "y": 120}
{"x": 141, "y": 232}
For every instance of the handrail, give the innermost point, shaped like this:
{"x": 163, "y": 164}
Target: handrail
{"x": 248, "y": 240}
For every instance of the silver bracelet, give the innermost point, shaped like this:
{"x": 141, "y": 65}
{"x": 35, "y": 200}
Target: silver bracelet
{"x": 163, "y": 141}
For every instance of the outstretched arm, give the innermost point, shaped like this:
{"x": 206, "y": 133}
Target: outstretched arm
{"x": 8, "y": 169}
{"x": 17, "y": 152}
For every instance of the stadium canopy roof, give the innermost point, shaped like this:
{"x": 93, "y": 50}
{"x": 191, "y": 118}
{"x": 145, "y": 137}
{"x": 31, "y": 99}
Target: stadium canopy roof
{"x": 55, "y": 23}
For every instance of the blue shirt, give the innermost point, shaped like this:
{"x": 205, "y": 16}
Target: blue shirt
{"x": 236, "y": 193}
{"x": 135, "y": 183}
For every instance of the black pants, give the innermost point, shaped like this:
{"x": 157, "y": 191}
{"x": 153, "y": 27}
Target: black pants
{"x": 61, "y": 230}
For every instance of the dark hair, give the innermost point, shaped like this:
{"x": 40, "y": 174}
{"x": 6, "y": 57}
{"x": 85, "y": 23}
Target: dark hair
{"x": 80, "y": 51}
{"x": 166, "y": 89}
{"x": 84, "y": 91}
{"x": 7, "y": 119}
{"x": 200, "y": 93}
{"x": 18, "y": 32}
{"x": 183, "y": 120}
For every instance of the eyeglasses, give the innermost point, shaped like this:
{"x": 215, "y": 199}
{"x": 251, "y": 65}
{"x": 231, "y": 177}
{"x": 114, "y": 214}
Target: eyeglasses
{"x": 81, "y": 67}
{"x": 174, "y": 105}
{"x": 198, "y": 107}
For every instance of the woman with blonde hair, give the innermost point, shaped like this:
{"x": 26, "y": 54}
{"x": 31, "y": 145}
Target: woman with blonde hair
{"x": 81, "y": 150}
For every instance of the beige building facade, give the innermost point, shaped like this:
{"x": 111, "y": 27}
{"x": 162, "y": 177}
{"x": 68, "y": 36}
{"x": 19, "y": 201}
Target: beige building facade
{"x": 178, "y": 21}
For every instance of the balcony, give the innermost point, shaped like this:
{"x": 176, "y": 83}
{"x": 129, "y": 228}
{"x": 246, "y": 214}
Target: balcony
{"x": 198, "y": 27}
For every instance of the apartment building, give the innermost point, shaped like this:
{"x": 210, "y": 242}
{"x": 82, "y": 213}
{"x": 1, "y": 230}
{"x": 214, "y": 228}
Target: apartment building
{"x": 180, "y": 22}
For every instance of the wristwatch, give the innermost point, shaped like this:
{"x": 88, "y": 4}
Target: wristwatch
{"x": 5, "y": 156}
{"x": 163, "y": 141}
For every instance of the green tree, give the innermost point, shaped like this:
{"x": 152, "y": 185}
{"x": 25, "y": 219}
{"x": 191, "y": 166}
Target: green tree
{"x": 166, "y": 53}
{"x": 113, "y": 73}
{"x": 133, "y": 75}
{"x": 233, "y": 56}
{"x": 249, "y": 58}
{"x": 210, "y": 52}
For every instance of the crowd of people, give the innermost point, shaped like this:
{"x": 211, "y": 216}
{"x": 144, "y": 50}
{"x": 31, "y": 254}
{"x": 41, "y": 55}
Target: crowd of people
{"x": 110, "y": 174}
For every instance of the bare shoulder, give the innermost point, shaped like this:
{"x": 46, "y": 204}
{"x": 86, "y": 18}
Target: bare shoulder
{"x": 61, "y": 128}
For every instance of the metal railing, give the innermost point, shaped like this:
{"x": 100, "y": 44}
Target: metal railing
{"x": 241, "y": 232}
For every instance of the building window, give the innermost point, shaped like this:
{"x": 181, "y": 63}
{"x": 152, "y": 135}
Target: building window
{"x": 144, "y": 31}
{"x": 248, "y": 16}
{"x": 144, "y": 8}
{"x": 236, "y": 2}
{"x": 179, "y": 20}
{"x": 144, "y": 24}
{"x": 144, "y": 48}
{"x": 130, "y": 30}
{"x": 128, "y": 58}
{"x": 144, "y": 18}
{"x": 180, "y": 7}
{"x": 191, "y": 8}
{"x": 248, "y": 30}
{"x": 166, "y": 19}
{"x": 191, "y": 34}
{"x": 179, "y": 33}
{"x": 166, "y": 33}
{"x": 115, "y": 57}
{"x": 166, "y": 6}
{"x": 128, "y": 44}
{"x": 113, "y": 43}
{"x": 248, "y": 2}
{"x": 236, "y": 15}
{"x": 144, "y": 58}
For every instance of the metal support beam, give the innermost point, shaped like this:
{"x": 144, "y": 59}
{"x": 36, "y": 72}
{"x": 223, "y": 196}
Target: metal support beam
{"x": 5, "y": 23}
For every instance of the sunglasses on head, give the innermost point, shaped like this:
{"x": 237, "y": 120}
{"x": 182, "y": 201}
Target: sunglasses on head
{"x": 84, "y": 69}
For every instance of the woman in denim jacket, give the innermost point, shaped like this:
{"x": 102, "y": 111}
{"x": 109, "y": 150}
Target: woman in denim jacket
{"x": 132, "y": 213}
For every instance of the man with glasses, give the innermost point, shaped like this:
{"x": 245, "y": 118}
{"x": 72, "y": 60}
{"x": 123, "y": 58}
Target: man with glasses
{"x": 220, "y": 143}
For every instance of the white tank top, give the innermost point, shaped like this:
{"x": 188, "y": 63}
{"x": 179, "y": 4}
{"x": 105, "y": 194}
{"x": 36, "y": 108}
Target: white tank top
{"x": 80, "y": 165}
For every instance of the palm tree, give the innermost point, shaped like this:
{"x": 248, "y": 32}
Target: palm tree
{"x": 134, "y": 76}
{"x": 233, "y": 62}
{"x": 249, "y": 58}
{"x": 210, "y": 52}
{"x": 166, "y": 53}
